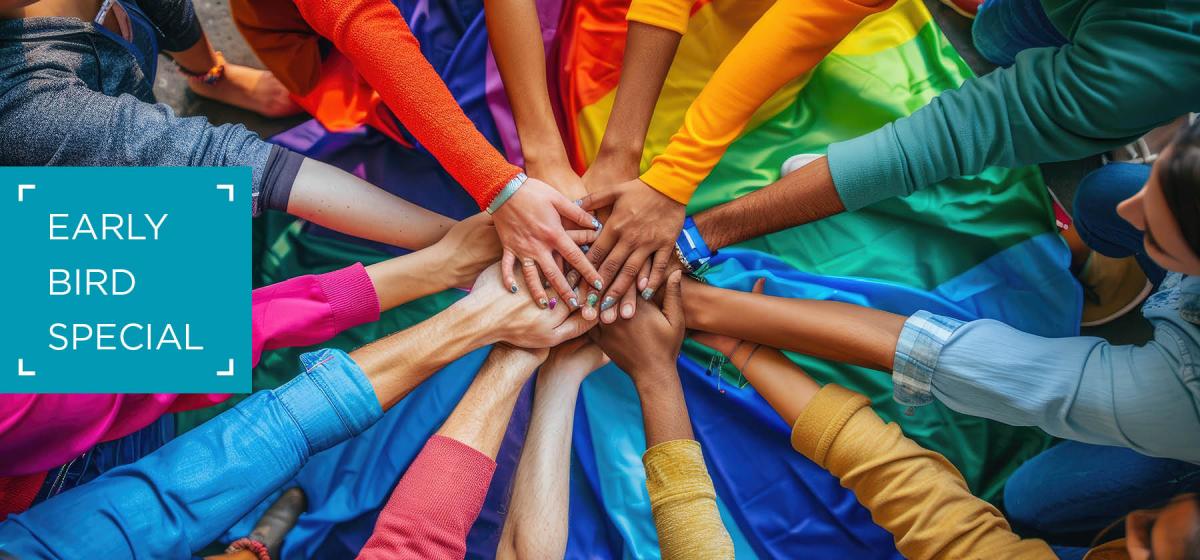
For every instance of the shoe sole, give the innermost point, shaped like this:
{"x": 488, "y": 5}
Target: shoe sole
{"x": 1145, "y": 293}
{"x": 959, "y": 10}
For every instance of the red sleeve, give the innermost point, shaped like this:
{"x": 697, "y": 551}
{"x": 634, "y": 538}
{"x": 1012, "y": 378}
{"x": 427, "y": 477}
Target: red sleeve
{"x": 434, "y": 504}
{"x": 311, "y": 309}
{"x": 375, "y": 37}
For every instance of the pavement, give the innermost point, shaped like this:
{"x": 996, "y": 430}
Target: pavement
{"x": 171, "y": 88}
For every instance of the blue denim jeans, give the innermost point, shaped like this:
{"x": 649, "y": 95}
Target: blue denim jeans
{"x": 1004, "y": 28}
{"x": 1072, "y": 491}
{"x": 1096, "y": 216}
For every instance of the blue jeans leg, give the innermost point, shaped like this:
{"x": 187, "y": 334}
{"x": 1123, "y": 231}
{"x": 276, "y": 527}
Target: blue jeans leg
{"x": 1004, "y": 28}
{"x": 1072, "y": 491}
{"x": 1097, "y": 221}
{"x": 106, "y": 456}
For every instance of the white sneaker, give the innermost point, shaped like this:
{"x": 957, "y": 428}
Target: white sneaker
{"x": 797, "y": 161}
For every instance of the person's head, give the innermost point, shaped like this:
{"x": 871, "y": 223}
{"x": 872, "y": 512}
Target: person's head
{"x": 1171, "y": 532}
{"x": 1167, "y": 208}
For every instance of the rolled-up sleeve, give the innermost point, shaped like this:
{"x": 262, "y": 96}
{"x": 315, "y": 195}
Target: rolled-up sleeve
{"x": 183, "y": 496}
{"x": 667, "y": 14}
{"x": 1078, "y": 388}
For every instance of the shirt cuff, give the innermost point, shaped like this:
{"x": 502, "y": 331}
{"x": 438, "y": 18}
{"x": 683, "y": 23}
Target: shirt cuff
{"x": 822, "y": 420}
{"x": 869, "y": 168}
{"x": 351, "y": 295}
{"x": 676, "y": 468}
{"x": 279, "y": 174}
{"x": 921, "y": 342}
{"x": 332, "y": 401}
{"x": 661, "y": 179}
{"x": 672, "y": 15}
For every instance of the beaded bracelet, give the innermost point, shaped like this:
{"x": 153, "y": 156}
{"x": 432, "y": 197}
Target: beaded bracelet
{"x": 258, "y": 549}
{"x": 507, "y": 192}
{"x": 212, "y": 76}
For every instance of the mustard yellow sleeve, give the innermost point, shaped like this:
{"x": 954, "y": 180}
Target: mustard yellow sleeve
{"x": 684, "y": 503}
{"x": 789, "y": 40}
{"x": 667, "y": 14}
{"x": 914, "y": 493}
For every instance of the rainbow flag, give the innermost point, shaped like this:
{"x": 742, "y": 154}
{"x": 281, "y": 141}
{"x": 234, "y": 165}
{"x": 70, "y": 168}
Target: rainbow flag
{"x": 982, "y": 246}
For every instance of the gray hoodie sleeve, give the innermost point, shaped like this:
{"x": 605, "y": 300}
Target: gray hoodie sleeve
{"x": 62, "y": 122}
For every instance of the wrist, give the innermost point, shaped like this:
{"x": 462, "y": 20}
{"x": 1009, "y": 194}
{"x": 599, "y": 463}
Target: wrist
{"x": 622, "y": 153}
{"x": 653, "y": 379}
{"x": 544, "y": 154}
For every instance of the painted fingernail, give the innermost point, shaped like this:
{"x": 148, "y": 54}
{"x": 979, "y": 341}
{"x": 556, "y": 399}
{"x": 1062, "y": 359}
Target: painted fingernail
{"x": 608, "y": 302}
{"x": 591, "y": 300}
{"x": 542, "y": 303}
{"x": 578, "y": 202}
{"x": 545, "y": 284}
{"x": 627, "y": 310}
{"x": 596, "y": 224}
{"x": 584, "y": 248}
{"x": 598, "y": 284}
{"x": 513, "y": 288}
{"x": 574, "y": 303}
{"x": 553, "y": 302}
{"x": 647, "y": 294}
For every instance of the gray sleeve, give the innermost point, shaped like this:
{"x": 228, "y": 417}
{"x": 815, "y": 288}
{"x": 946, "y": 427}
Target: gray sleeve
{"x": 62, "y": 122}
{"x": 176, "y": 21}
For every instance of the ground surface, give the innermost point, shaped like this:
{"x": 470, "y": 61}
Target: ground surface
{"x": 171, "y": 89}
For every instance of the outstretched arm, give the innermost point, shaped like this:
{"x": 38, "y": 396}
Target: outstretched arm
{"x": 536, "y": 524}
{"x": 440, "y": 495}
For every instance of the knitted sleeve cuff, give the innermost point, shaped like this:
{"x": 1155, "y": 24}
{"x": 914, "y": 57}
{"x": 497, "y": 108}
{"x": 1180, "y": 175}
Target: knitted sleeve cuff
{"x": 351, "y": 295}
{"x": 823, "y": 419}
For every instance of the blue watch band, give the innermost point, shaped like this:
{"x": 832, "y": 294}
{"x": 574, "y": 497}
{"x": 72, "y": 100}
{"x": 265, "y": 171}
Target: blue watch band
{"x": 692, "y": 246}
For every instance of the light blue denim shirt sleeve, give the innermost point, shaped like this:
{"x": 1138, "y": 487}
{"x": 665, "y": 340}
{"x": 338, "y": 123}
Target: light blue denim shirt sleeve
{"x": 182, "y": 497}
{"x": 1078, "y": 388}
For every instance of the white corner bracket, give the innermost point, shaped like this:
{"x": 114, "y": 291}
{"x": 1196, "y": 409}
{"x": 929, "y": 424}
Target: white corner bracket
{"x": 227, "y": 188}
{"x": 21, "y": 371}
{"x": 226, "y": 372}
{"x": 21, "y": 191}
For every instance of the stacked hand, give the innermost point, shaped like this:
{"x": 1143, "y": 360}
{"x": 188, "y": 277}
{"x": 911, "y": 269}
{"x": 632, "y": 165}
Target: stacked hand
{"x": 515, "y": 320}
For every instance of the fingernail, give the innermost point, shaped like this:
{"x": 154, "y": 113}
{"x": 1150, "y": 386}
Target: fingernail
{"x": 608, "y": 302}
{"x": 584, "y": 248}
{"x": 513, "y": 288}
{"x": 647, "y": 294}
{"x": 596, "y": 224}
{"x": 598, "y": 284}
{"x": 574, "y": 303}
{"x": 545, "y": 284}
{"x": 642, "y": 283}
{"x": 553, "y": 302}
{"x": 578, "y": 202}
{"x": 627, "y": 310}
{"x": 608, "y": 317}
{"x": 542, "y": 302}
{"x": 591, "y": 300}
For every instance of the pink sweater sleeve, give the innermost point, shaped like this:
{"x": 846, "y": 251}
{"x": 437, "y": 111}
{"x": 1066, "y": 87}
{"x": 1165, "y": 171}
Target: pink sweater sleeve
{"x": 434, "y": 504}
{"x": 311, "y": 309}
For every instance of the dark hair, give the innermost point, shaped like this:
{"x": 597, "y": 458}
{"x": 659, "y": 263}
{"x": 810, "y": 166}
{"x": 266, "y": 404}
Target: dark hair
{"x": 1179, "y": 177}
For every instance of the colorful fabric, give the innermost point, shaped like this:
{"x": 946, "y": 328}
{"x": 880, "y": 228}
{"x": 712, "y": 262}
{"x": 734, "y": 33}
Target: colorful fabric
{"x": 987, "y": 243}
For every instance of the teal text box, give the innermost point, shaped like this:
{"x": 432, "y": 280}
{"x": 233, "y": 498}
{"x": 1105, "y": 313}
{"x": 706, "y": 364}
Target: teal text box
{"x": 170, "y": 246}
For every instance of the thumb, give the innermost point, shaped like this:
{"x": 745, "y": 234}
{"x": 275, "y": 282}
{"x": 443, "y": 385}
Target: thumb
{"x": 672, "y": 306}
{"x": 573, "y": 327}
{"x": 574, "y": 214}
{"x": 758, "y": 285}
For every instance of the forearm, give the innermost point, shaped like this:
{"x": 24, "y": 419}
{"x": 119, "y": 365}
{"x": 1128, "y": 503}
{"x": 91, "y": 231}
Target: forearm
{"x": 481, "y": 417}
{"x": 399, "y": 363}
{"x": 649, "y": 50}
{"x": 786, "y": 387}
{"x": 536, "y": 525}
{"x": 803, "y": 196}
{"x": 831, "y": 330}
{"x": 338, "y": 200}
{"x": 664, "y": 411}
{"x": 516, "y": 39}
{"x": 406, "y": 278}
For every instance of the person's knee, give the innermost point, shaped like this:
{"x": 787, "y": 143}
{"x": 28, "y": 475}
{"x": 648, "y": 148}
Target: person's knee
{"x": 1101, "y": 191}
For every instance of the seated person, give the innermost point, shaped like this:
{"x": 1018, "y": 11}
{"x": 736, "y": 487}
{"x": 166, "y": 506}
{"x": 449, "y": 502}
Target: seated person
{"x": 180, "y": 498}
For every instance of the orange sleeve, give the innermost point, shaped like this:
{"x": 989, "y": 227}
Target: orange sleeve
{"x": 667, "y": 14}
{"x": 789, "y": 40}
{"x": 375, "y": 37}
{"x": 281, "y": 38}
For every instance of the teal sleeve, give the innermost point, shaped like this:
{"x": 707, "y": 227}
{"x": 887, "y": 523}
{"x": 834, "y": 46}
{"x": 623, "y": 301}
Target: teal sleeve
{"x": 1127, "y": 71}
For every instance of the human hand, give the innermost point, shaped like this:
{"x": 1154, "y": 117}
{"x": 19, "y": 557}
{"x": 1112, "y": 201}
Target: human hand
{"x": 608, "y": 170}
{"x": 575, "y": 358}
{"x": 467, "y": 248}
{"x": 530, "y": 225}
{"x": 647, "y": 345}
{"x": 559, "y": 175}
{"x": 641, "y": 230}
{"x": 506, "y": 317}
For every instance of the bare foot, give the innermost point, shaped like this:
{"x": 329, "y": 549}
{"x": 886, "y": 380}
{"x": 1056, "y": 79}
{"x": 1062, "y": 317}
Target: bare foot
{"x": 251, "y": 89}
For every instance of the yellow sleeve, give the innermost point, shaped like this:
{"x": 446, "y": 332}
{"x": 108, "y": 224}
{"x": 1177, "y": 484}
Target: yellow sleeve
{"x": 789, "y": 40}
{"x": 914, "y": 493}
{"x": 667, "y": 14}
{"x": 684, "y": 503}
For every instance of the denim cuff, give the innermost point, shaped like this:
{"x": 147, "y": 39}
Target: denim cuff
{"x": 332, "y": 401}
{"x": 917, "y": 352}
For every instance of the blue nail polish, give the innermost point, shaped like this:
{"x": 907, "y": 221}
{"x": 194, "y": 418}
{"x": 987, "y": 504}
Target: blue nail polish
{"x": 598, "y": 284}
{"x": 542, "y": 303}
{"x": 591, "y": 300}
{"x": 578, "y": 202}
{"x": 647, "y": 294}
{"x": 585, "y": 248}
{"x": 596, "y": 224}
{"x": 574, "y": 303}
{"x": 608, "y": 302}
{"x": 513, "y": 288}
